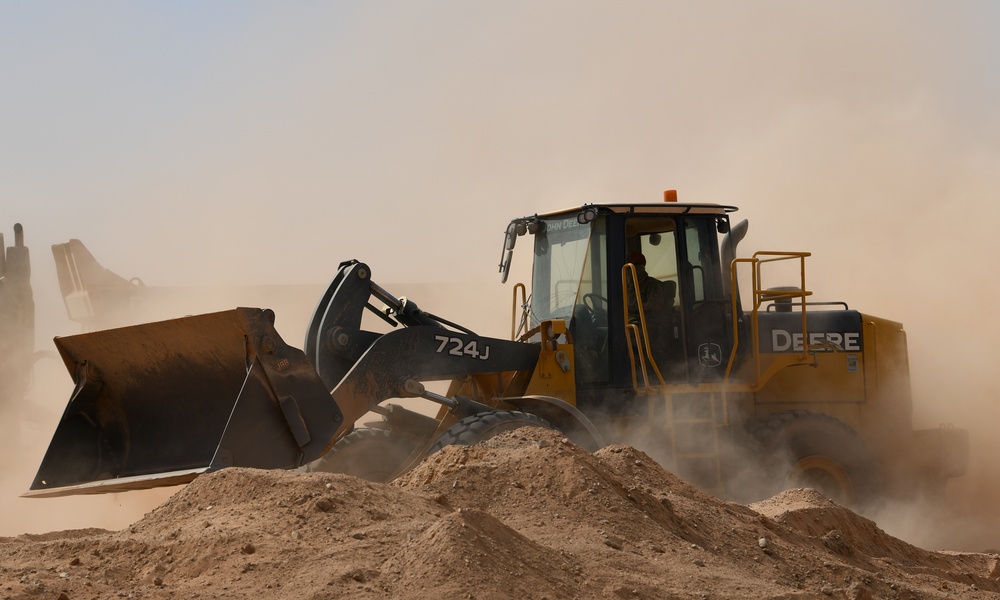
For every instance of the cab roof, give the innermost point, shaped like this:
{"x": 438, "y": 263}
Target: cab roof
{"x": 659, "y": 208}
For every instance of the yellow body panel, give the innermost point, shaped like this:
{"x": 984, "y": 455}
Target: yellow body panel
{"x": 836, "y": 377}
{"x": 554, "y": 374}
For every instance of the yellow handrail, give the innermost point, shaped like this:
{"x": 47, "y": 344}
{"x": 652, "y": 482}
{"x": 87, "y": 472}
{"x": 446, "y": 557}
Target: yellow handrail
{"x": 761, "y": 296}
{"x": 628, "y": 271}
{"x": 513, "y": 310}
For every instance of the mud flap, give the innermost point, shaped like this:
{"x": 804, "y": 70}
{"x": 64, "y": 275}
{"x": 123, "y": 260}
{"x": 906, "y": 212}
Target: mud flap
{"x": 159, "y": 403}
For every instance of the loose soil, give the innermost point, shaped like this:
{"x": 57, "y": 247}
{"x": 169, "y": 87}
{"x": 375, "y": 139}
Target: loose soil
{"x": 525, "y": 515}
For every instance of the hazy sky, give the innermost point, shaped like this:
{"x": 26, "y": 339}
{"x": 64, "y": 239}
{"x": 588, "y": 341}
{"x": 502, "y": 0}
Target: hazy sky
{"x": 189, "y": 142}
{"x": 242, "y": 142}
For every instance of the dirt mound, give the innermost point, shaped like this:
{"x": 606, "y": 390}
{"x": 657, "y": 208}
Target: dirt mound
{"x": 524, "y": 515}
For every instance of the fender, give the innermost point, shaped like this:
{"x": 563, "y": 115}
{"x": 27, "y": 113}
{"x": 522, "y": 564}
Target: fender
{"x": 563, "y": 416}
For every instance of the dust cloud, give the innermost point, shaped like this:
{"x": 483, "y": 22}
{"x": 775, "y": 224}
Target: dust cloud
{"x": 265, "y": 147}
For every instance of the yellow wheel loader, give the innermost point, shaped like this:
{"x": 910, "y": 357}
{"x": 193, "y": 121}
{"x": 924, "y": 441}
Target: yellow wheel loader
{"x": 744, "y": 394}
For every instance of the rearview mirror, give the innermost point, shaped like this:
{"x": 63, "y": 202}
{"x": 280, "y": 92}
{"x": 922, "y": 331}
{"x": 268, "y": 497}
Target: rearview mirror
{"x": 509, "y": 240}
{"x": 511, "y": 236}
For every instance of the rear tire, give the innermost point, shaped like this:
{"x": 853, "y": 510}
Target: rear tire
{"x": 367, "y": 453}
{"x": 483, "y": 426}
{"x": 814, "y": 450}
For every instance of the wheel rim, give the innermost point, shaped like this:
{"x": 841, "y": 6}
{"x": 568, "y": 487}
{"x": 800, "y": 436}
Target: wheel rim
{"x": 826, "y": 475}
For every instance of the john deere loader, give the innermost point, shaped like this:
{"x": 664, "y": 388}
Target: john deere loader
{"x": 735, "y": 378}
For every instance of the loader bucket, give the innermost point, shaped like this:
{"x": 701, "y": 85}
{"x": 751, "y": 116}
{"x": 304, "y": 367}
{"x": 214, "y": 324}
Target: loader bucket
{"x": 157, "y": 404}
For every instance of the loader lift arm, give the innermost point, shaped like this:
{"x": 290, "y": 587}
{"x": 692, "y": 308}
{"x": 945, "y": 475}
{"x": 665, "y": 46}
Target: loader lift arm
{"x": 334, "y": 338}
{"x": 364, "y": 368}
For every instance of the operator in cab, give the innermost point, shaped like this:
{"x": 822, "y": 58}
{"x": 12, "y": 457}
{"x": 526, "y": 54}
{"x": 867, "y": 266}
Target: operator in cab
{"x": 652, "y": 291}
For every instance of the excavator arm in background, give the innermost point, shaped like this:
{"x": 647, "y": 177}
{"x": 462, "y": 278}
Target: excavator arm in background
{"x": 94, "y": 296}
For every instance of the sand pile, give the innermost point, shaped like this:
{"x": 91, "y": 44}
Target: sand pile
{"x": 525, "y": 515}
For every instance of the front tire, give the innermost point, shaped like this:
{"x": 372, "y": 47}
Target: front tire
{"x": 483, "y": 426}
{"x": 814, "y": 450}
{"x": 367, "y": 453}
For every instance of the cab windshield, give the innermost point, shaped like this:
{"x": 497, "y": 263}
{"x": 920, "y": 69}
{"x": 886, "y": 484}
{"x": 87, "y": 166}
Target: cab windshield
{"x": 569, "y": 264}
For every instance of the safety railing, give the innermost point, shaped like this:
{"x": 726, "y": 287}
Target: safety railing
{"x": 636, "y": 334}
{"x": 519, "y": 326}
{"x": 765, "y": 296}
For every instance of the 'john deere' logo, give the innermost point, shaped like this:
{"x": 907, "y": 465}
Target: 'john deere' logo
{"x": 710, "y": 355}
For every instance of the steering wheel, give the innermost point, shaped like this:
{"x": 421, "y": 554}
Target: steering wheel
{"x": 597, "y": 306}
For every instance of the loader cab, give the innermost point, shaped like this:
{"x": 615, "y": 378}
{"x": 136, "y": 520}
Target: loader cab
{"x": 580, "y": 276}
